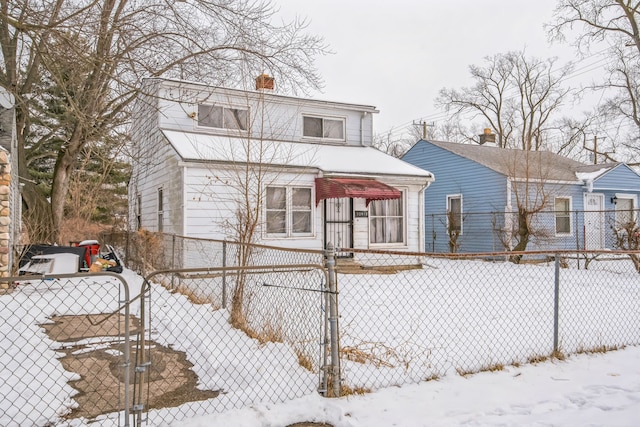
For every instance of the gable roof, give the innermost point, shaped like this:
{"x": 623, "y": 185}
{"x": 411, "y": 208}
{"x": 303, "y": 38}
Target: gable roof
{"x": 522, "y": 164}
{"x": 330, "y": 159}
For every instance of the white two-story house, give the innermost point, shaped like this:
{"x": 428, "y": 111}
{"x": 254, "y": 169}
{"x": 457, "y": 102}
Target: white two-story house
{"x": 207, "y": 157}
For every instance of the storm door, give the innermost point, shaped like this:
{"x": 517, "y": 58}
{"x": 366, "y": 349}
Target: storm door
{"x": 338, "y": 224}
{"x": 593, "y": 221}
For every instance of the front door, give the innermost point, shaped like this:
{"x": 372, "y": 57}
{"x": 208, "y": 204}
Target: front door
{"x": 593, "y": 221}
{"x": 338, "y": 224}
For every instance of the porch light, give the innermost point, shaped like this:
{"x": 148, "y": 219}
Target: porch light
{"x": 614, "y": 199}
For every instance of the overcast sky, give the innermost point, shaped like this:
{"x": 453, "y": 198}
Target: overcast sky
{"x": 397, "y": 55}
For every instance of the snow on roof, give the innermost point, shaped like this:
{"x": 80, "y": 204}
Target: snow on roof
{"x": 327, "y": 158}
{"x": 590, "y": 176}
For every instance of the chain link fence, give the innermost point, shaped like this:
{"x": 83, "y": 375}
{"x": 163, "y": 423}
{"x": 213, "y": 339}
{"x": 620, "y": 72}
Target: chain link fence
{"x": 473, "y": 232}
{"x": 185, "y": 342}
{"x": 209, "y": 350}
{"x": 64, "y": 350}
{"x": 468, "y": 313}
{"x": 145, "y": 252}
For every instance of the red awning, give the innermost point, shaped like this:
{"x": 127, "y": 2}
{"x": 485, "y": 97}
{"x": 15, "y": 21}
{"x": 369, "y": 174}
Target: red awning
{"x": 370, "y": 189}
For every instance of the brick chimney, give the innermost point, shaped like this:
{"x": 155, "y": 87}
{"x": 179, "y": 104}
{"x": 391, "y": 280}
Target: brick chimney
{"x": 488, "y": 137}
{"x": 265, "y": 82}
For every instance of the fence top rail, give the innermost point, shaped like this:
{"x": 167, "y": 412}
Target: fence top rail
{"x": 232, "y": 242}
{"x": 250, "y": 268}
{"x": 489, "y": 254}
{"x": 64, "y": 276}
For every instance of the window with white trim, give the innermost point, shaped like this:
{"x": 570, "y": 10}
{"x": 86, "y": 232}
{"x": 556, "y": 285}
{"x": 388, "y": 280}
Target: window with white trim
{"x": 160, "y": 210}
{"x": 288, "y": 211}
{"x": 386, "y": 221}
{"x": 216, "y": 116}
{"x": 562, "y": 211}
{"x": 454, "y": 213}
{"x": 323, "y": 127}
{"x": 625, "y": 207}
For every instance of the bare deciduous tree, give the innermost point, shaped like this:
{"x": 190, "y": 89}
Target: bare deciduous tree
{"x": 611, "y": 26}
{"x": 515, "y": 95}
{"x": 111, "y": 45}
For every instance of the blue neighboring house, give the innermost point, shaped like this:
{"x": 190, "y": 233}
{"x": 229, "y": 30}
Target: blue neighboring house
{"x": 473, "y": 204}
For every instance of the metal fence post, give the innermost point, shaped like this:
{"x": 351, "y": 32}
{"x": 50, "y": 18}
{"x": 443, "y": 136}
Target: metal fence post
{"x": 224, "y": 274}
{"x": 333, "y": 319}
{"x": 556, "y": 303}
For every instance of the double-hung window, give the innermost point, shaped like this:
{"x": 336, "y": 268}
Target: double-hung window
{"x": 454, "y": 214}
{"x": 386, "y": 221}
{"x": 323, "y": 127}
{"x": 160, "y": 210}
{"x": 216, "y": 116}
{"x": 288, "y": 211}
{"x": 562, "y": 210}
{"x": 625, "y": 211}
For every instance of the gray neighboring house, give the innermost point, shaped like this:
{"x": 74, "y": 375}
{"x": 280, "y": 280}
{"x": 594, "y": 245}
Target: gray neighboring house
{"x": 478, "y": 185}
{"x": 10, "y": 200}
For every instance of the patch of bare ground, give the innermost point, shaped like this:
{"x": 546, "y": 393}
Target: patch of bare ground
{"x": 348, "y": 266}
{"x": 99, "y": 364}
{"x": 310, "y": 425}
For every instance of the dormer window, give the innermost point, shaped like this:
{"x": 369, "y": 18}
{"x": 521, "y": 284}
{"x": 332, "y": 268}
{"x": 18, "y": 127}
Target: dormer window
{"x": 215, "y": 116}
{"x": 323, "y": 127}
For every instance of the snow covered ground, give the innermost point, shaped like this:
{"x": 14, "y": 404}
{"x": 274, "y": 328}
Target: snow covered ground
{"x": 583, "y": 390}
{"x": 600, "y": 389}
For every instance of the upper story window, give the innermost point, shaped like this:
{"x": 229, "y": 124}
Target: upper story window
{"x": 562, "y": 208}
{"x": 322, "y": 127}
{"x": 215, "y": 116}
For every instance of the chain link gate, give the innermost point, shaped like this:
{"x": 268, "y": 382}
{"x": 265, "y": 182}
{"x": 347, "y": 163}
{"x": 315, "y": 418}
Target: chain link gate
{"x": 65, "y": 350}
{"x": 221, "y": 338}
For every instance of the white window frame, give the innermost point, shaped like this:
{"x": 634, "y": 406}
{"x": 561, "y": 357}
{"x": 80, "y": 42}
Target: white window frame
{"x": 448, "y": 209}
{"x": 289, "y": 211}
{"x": 343, "y": 120}
{"x": 634, "y": 207}
{"x": 566, "y": 213}
{"x": 160, "y": 209}
{"x": 403, "y": 204}
{"x": 224, "y": 124}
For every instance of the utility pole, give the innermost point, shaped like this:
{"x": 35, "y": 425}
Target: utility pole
{"x": 424, "y": 127}
{"x": 595, "y": 149}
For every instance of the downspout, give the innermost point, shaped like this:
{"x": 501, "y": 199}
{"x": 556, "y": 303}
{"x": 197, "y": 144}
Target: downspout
{"x": 421, "y": 217}
{"x": 508, "y": 210}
